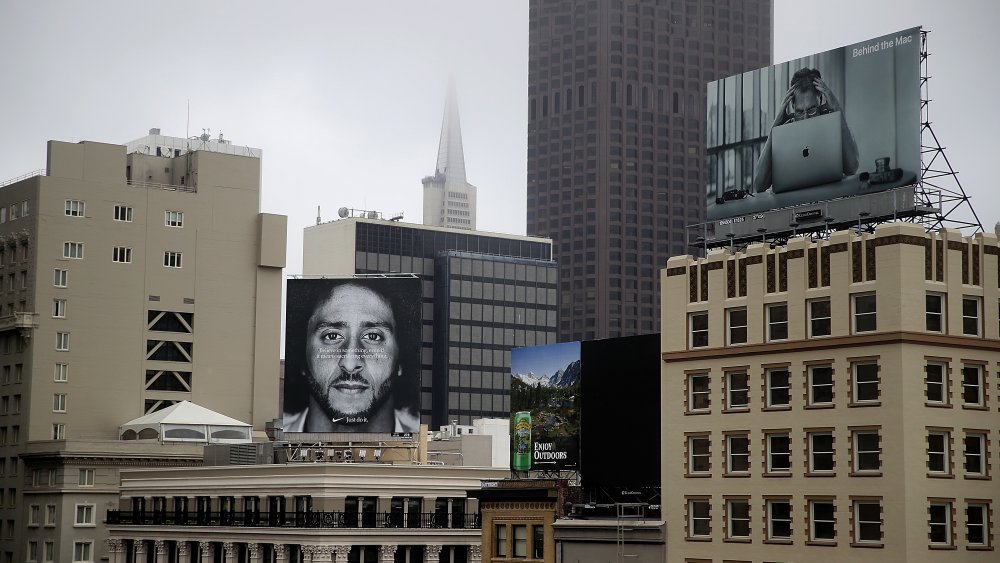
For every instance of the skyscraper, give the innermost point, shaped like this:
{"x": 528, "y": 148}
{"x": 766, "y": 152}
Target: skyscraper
{"x": 449, "y": 199}
{"x": 616, "y": 135}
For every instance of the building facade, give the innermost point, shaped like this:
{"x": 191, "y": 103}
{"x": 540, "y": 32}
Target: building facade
{"x": 483, "y": 294}
{"x": 364, "y": 512}
{"x": 833, "y": 400}
{"x": 449, "y": 199}
{"x": 132, "y": 281}
{"x": 616, "y": 137}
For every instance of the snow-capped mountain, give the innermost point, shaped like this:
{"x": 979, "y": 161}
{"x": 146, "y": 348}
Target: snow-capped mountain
{"x": 561, "y": 378}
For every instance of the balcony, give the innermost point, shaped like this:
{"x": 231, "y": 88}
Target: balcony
{"x": 347, "y": 520}
{"x": 23, "y": 322}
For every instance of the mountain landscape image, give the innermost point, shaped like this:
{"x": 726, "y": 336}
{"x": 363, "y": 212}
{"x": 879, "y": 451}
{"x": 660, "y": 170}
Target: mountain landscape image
{"x": 545, "y": 381}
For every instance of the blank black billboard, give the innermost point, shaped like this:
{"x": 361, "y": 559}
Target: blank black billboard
{"x": 620, "y": 413}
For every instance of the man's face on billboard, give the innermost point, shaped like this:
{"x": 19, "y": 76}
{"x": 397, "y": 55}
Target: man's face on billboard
{"x": 351, "y": 350}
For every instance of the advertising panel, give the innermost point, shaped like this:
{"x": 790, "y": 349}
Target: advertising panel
{"x": 352, "y": 355}
{"x": 832, "y": 125}
{"x": 545, "y": 407}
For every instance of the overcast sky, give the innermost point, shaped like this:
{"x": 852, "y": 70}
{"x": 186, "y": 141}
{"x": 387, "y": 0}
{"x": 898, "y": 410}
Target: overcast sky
{"x": 345, "y": 98}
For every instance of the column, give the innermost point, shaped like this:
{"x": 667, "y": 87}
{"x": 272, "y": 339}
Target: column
{"x": 387, "y": 553}
{"x": 432, "y": 553}
{"x": 206, "y": 551}
{"x": 281, "y": 553}
{"x": 340, "y": 553}
{"x": 323, "y": 554}
{"x": 254, "y": 549}
{"x": 182, "y": 552}
{"x": 307, "y": 552}
{"x": 140, "y": 549}
{"x": 160, "y": 550}
{"x": 229, "y": 552}
{"x": 475, "y": 553}
{"x": 115, "y": 551}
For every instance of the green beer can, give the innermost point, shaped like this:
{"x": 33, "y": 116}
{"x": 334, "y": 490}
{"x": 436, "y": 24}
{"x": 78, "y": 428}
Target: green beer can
{"x": 522, "y": 441}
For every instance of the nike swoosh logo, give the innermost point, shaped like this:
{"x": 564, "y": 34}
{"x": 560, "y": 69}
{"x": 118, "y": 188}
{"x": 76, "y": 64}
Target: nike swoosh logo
{"x": 337, "y": 419}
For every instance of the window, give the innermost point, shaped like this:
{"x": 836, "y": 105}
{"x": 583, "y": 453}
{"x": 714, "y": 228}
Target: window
{"x": 779, "y": 453}
{"x": 934, "y": 312}
{"x": 50, "y": 515}
{"x": 972, "y": 386}
{"x": 32, "y": 551}
{"x": 173, "y": 218}
{"x": 699, "y": 329}
{"x": 122, "y": 254}
{"x": 822, "y": 520}
{"x": 868, "y": 521}
{"x": 50, "y": 551}
{"x": 59, "y": 277}
{"x": 171, "y": 259}
{"x": 538, "y": 542}
{"x": 738, "y": 453}
{"x": 864, "y": 313}
{"x": 61, "y": 373}
{"x": 59, "y": 308}
{"x": 51, "y": 476}
{"x": 866, "y": 382}
{"x": 819, "y": 317}
{"x": 699, "y": 454}
{"x": 34, "y": 515}
{"x": 698, "y": 393}
{"x": 778, "y": 388}
{"x": 59, "y": 402}
{"x": 58, "y": 431}
{"x": 820, "y": 385}
{"x": 123, "y": 213}
{"x": 777, "y": 321}
{"x": 867, "y": 451}
{"x": 699, "y": 518}
{"x": 821, "y": 458}
{"x": 62, "y": 341}
{"x": 935, "y": 383}
{"x": 82, "y": 551}
{"x": 970, "y": 316}
{"x": 84, "y": 515}
{"x": 738, "y": 514}
{"x": 939, "y": 520}
{"x": 75, "y": 208}
{"x": 938, "y": 450}
{"x": 86, "y": 477}
{"x": 737, "y": 390}
{"x": 737, "y": 321}
{"x": 501, "y": 535}
{"x": 977, "y": 524}
{"x": 73, "y": 250}
{"x": 520, "y": 540}
{"x": 779, "y": 519}
{"x": 975, "y": 454}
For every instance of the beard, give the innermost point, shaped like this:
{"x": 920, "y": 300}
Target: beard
{"x": 321, "y": 393}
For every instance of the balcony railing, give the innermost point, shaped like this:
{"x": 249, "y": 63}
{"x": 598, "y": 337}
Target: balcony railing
{"x": 296, "y": 519}
{"x": 19, "y": 320}
{"x": 159, "y": 186}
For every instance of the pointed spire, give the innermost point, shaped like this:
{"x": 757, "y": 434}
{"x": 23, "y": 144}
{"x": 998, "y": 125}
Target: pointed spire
{"x": 451, "y": 157}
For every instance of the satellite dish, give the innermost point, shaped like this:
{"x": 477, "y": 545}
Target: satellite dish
{"x": 343, "y": 212}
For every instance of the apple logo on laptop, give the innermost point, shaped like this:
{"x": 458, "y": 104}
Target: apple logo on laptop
{"x": 805, "y": 152}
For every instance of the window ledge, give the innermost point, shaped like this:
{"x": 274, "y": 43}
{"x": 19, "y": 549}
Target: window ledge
{"x": 777, "y": 408}
{"x": 979, "y": 548}
{"x": 698, "y": 538}
{"x": 865, "y": 404}
{"x": 776, "y": 541}
{"x": 940, "y": 476}
{"x": 821, "y": 474}
{"x": 775, "y": 474}
{"x": 736, "y": 409}
{"x": 979, "y": 477}
{"x": 866, "y": 474}
{"x": 736, "y": 540}
{"x": 822, "y": 543}
{"x": 941, "y": 547}
{"x": 737, "y": 475}
{"x": 687, "y": 413}
{"x": 975, "y": 407}
{"x": 697, "y": 475}
{"x": 875, "y": 545}
{"x": 820, "y": 406}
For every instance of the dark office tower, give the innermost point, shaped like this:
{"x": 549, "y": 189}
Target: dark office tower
{"x": 616, "y": 136}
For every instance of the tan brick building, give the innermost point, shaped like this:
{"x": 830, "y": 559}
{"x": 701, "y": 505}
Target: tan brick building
{"x": 833, "y": 400}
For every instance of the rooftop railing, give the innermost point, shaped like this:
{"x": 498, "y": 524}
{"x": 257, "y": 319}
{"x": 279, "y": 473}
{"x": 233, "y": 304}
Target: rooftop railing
{"x": 32, "y": 174}
{"x": 312, "y": 519}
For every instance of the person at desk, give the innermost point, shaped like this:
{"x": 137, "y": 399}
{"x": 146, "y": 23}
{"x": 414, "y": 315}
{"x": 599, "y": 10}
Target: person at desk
{"x": 807, "y": 96}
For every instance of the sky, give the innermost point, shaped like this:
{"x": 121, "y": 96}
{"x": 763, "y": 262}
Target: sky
{"x": 346, "y": 98}
{"x": 544, "y": 360}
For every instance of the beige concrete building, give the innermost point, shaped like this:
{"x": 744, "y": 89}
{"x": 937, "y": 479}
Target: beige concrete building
{"x": 131, "y": 281}
{"x": 833, "y": 400}
{"x": 316, "y": 512}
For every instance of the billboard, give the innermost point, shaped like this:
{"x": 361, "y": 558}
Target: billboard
{"x": 837, "y": 124}
{"x": 545, "y": 407}
{"x": 352, "y": 355}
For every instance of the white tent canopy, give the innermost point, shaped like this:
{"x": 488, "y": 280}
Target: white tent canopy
{"x": 186, "y": 422}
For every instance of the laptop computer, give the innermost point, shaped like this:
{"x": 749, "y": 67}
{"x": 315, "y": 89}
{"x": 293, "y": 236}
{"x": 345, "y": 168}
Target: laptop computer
{"x": 806, "y": 153}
